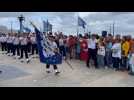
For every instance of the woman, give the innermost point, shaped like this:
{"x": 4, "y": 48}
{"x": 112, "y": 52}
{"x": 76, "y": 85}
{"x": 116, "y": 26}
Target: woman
{"x": 101, "y": 54}
{"x": 116, "y": 54}
{"x": 84, "y": 49}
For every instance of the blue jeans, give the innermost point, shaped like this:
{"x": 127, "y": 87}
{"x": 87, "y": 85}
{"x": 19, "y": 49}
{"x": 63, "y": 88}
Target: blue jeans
{"x": 100, "y": 60}
{"x": 108, "y": 58}
{"x": 116, "y": 62}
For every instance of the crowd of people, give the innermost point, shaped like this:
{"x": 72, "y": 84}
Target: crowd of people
{"x": 20, "y": 46}
{"x": 116, "y": 52}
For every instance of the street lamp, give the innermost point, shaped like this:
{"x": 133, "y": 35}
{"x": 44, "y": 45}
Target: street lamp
{"x": 21, "y": 19}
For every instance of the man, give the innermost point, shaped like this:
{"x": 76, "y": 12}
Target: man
{"x": 16, "y": 43}
{"x": 9, "y": 44}
{"x": 3, "y": 43}
{"x": 34, "y": 44}
{"x": 24, "y": 49}
{"x": 55, "y": 49}
{"x": 92, "y": 50}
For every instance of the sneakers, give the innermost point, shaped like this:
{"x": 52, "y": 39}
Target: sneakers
{"x": 56, "y": 72}
{"x": 48, "y": 71}
{"x": 27, "y": 60}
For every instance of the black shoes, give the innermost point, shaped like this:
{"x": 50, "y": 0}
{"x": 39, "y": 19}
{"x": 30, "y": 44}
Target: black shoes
{"x": 56, "y": 73}
{"x": 0, "y": 71}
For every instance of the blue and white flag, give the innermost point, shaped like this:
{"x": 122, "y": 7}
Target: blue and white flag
{"x": 46, "y": 53}
{"x": 81, "y": 22}
{"x": 47, "y": 26}
{"x": 26, "y": 29}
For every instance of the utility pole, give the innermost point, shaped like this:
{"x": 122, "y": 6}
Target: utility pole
{"x": 110, "y": 29}
{"x": 11, "y": 27}
{"x": 113, "y": 28}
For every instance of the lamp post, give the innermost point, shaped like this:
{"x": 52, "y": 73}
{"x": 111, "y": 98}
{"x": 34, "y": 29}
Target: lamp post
{"x": 21, "y": 19}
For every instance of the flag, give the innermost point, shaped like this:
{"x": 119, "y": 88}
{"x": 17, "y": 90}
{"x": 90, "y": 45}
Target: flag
{"x": 50, "y": 27}
{"x": 47, "y": 26}
{"x": 46, "y": 53}
{"x": 81, "y": 22}
{"x": 26, "y": 29}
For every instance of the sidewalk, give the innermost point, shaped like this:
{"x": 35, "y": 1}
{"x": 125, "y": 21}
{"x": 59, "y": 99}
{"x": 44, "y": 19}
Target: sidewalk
{"x": 33, "y": 74}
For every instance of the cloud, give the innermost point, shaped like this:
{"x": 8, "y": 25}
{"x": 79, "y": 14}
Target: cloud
{"x": 67, "y": 21}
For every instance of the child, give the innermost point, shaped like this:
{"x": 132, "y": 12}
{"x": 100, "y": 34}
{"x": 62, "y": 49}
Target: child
{"x": 101, "y": 54}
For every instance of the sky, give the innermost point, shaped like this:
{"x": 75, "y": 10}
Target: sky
{"x": 67, "y": 21}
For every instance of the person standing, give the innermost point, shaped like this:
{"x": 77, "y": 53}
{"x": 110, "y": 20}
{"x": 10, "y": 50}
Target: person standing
{"x": 24, "y": 49}
{"x": 55, "y": 49}
{"x": 16, "y": 44}
{"x": 34, "y": 44}
{"x": 9, "y": 44}
{"x": 108, "y": 55}
{"x": 62, "y": 47}
{"x": 125, "y": 52}
{"x": 131, "y": 58}
{"x": 101, "y": 54}
{"x": 3, "y": 43}
{"x": 116, "y": 54}
{"x": 92, "y": 50}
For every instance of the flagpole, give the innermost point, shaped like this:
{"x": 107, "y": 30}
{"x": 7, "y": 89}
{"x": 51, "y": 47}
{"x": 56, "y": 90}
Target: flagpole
{"x": 47, "y": 25}
{"x": 77, "y": 27}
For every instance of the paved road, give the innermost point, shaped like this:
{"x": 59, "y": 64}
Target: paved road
{"x": 19, "y": 74}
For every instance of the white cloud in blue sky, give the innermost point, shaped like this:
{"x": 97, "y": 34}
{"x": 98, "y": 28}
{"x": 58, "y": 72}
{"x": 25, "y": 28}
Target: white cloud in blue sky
{"x": 67, "y": 21}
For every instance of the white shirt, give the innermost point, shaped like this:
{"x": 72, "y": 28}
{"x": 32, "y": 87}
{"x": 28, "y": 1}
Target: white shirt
{"x": 116, "y": 48}
{"x": 10, "y": 39}
{"x": 92, "y": 43}
{"x": 61, "y": 43}
{"x": 33, "y": 40}
{"x": 16, "y": 41}
{"x": 23, "y": 41}
{"x": 101, "y": 50}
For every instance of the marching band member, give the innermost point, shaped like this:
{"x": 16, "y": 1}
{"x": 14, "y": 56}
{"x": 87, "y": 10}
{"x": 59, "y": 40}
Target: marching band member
{"x": 3, "y": 43}
{"x": 55, "y": 49}
{"x": 16, "y": 43}
{"x": 23, "y": 46}
{"x": 9, "y": 44}
{"x": 34, "y": 44}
